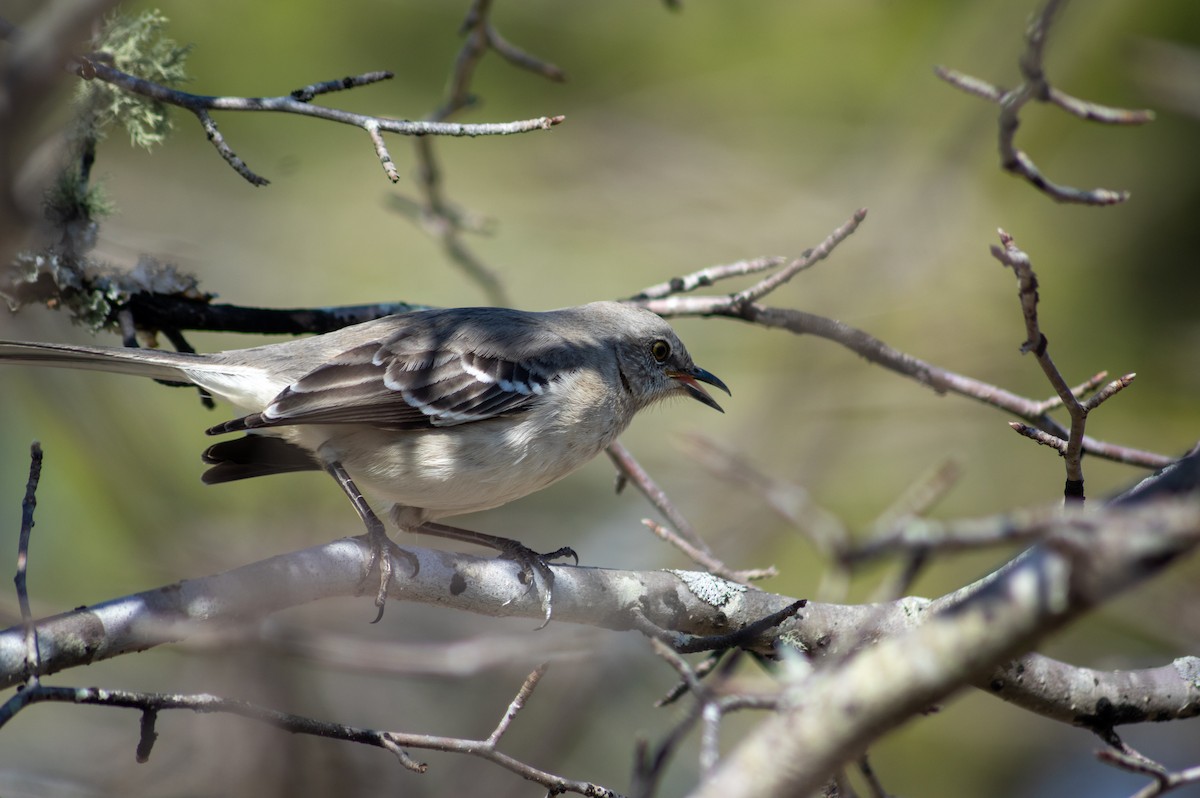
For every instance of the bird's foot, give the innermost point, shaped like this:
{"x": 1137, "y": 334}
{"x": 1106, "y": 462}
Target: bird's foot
{"x": 382, "y": 552}
{"x": 535, "y": 569}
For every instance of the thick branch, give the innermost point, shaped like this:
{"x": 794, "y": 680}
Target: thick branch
{"x": 833, "y": 715}
{"x": 687, "y": 604}
{"x": 1098, "y": 700}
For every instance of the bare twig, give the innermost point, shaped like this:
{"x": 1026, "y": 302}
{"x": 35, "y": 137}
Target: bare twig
{"x": 436, "y": 215}
{"x": 1044, "y": 438}
{"x": 684, "y": 537}
{"x": 1164, "y": 780}
{"x": 28, "y": 505}
{"x": 1036, "y": 342}
{"x": 298, "y": 103}
{"x": 704, "y": 668}
{"x": 869, "y": 776}
{"x": 708, "y": 710}
{"x": 810, "y": 258}
{"x": 920, "y": 534}
{"x": 1079, "y": 391}
{"x": 877, "y": 352}
{"x": 748, "y": 635}
{"x": 518, "y": 703}
{"x": 1108, "y": 391}
{"x": 630, "y": 470}
{"x": 392, "y": 741}
{"x": 711, "y": 275}
{"x": 921, "y": 496}
{"x": 914, "y": 503}
{"x": 791, "y": 502}
{"x": 706, "y": 559}
{"x": 1035, "y": 86}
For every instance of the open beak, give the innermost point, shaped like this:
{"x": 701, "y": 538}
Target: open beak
{"x": 691, "y": 378}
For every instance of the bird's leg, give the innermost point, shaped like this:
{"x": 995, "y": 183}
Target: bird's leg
{"x": 534, "y": 566}
{"x": 381, "y": 545}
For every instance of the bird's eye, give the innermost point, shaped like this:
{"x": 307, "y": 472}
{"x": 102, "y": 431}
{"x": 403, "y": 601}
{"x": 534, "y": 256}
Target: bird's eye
{"x": 660, "y": 350}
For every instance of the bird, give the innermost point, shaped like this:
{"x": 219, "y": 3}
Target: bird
{"x": 437, "y": 412}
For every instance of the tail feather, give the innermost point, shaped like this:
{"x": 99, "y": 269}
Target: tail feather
{"x": 255, "y": 456}
{"x": 151, "y": 363}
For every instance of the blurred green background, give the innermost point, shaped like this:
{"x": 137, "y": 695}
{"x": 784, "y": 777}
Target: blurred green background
{"x": 722, "y": 132}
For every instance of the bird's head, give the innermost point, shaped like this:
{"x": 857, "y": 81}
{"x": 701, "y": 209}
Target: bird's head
{"x": 652, "y": 362}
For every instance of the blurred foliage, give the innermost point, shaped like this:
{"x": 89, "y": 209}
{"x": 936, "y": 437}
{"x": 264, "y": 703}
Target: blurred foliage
{"x": 723, "y": 132}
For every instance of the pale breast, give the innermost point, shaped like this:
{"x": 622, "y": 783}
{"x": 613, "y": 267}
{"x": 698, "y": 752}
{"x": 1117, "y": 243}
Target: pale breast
{"x": 476, "y": 466}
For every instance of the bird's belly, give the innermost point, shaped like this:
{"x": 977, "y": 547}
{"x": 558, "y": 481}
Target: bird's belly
{"x": 462, "y": 469}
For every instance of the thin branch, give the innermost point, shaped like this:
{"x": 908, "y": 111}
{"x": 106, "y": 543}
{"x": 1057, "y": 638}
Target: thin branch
{"x": 392, "y": 741}
{"x": 298, "y": 102}
{"x": 1109, "y": 391}
{"x": 435, "y": 214}
{"x": 381, "y": 151}
{"x": 876, "y": 351}
{"x": 649, "y": 765}
{"x": 938, "y": 379}
{"x": 1079, "y": 391}
{"x": 630, "y": 470}
{"x": 214, "y": 135}
{"x": 708, "y": 710}
{"x": 921, "y": 496}
{"x": 793, "y": 504}
{"x": 1009, "y": 255}
{"x": 703, "y": 669}
{"x": 1044, "y": 438}
{"x": 747, "y": 636}
{"x": 517, "y": 704}
{"x": 1164, "y": 780}
{"x": 28, "y": 505}
{"x": 872, "y": 780}
{"x": 147, "y": 736}
{"x": 810, "y": 258}
{"x": 1094, "y": 112}
{"x": 703, "y": 278}
{"x": 920, "y": 534}
{"x": 1036, "y": 86}
{"x": 706, "y": 559}
{"x": 684, "y": 537}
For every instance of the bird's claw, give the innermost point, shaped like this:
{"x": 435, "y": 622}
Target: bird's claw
{"x": 535, "y": 568}
{"x": 382, "y": 550}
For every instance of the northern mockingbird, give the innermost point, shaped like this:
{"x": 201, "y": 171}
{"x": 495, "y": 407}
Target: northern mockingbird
{"x": 439, "y": 412}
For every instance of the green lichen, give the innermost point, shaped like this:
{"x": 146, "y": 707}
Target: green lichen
{"x": 136, "y": 44}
